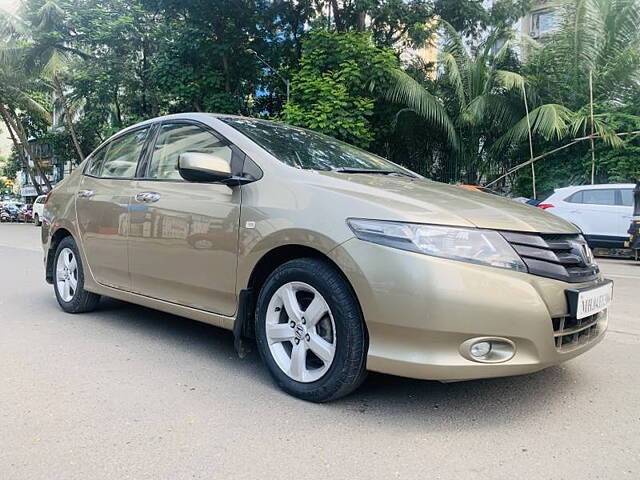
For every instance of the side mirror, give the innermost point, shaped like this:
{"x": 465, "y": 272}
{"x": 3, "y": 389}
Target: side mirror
{"x": 203, "y": 167}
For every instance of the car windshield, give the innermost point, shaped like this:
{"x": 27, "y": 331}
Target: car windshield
{"x": 305, "y": 149}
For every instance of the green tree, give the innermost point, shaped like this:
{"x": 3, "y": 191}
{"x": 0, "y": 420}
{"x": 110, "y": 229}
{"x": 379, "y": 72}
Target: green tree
{"x": 332, "y": 91}
{"x": 48, "y": 53}
{"x": 599, "y": 38}
{"x": 19, "y": 93}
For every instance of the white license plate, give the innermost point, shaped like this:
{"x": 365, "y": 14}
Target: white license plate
{"x": 594, "y": 300}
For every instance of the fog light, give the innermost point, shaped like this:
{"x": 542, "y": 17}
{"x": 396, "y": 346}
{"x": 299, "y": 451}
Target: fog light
{"x": 480, "y": 349}
{"x": 488, "y": 349}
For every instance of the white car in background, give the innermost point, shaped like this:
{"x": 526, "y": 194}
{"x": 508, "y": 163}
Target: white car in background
{"x": 38, "y": 207}
{"x": 602, "y": 212}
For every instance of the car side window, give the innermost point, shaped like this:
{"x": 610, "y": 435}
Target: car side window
{"x": 599, "y": 197}
{"x": 626, "y": 195}
{"x": 121, "y": 155}
{"x": 95, "y": 162}
{"x": 575, "y": 198}
{"x": 604, "y": 196}
{"x": 176, "y": 138}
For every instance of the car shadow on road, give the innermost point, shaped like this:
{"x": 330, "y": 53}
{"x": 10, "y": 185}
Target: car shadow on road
{"x": 477, "y": 403}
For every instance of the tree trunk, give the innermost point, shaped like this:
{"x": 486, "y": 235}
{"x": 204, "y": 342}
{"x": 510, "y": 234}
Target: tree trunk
{"x": 150, "y": 99}
{"x": 337, "y": 17}
{"x": 20, "y": 152}
{"x": 227, "y": 74}
{"x": 22, "y": 136}
{"x": 361, "y": 24}
{"x": 116, "y": 102}
{"x": 67, "y": 118}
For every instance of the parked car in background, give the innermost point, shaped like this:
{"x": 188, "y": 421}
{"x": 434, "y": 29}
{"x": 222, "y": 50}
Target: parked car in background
{"x": 335, "y": 260}
{"x": 25, "y": 214}
{"x": 38, "y": 207}
{"x": 602, "y": 212}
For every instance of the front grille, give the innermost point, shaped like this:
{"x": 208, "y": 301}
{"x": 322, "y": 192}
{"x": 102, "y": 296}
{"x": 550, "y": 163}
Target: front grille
{"x": 563, "y": 257}
{"x": 570, "y": 333}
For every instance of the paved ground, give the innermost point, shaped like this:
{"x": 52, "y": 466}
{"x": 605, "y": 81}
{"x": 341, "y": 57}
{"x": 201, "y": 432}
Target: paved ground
{"x": 128, "y": 392}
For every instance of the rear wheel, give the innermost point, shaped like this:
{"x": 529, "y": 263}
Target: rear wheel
{"x": 36, "y": 220}
{"x": 310, "y": 331}
{"x": 68, "y": 279}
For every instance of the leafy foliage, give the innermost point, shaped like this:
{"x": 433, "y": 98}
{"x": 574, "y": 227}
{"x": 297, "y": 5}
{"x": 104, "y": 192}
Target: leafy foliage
{"x": 93, "y": 67}
{"x": 333, "y": 92}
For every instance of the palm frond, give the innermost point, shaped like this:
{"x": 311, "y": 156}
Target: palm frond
{"x": 28, "y": 103}
{"x": 509, "y": 80}
{"x": 588, "y": 33}
{"x": 57, "y": 64}
{"x": 407, "y": 91}
{"x": 550, "y": 121}
{"x": 49, "y": 15}
{"x": 454, "y": 76}
{"x": 490, "y": 109}
{"x": 581, "y": 125}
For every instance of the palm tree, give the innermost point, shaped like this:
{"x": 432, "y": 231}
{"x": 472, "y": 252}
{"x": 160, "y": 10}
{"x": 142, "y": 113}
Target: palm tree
{"x": 15, "y": 96}
{"x": 49, "y": 56}
{"x": 480, "y": 96}
{"x": 484, "y": 94}
{"x": 596, "y": 40}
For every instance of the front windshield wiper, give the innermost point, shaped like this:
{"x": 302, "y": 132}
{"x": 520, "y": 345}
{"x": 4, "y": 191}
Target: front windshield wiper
{"x": 371, "y": 170}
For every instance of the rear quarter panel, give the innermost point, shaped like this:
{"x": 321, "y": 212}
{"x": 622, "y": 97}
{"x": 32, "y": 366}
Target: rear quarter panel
{"x": 60, "y": 213}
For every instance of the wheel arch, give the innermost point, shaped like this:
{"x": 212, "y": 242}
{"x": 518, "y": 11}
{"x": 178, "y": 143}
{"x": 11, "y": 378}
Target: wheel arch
{"x": 60, "y": 234}
{"x": 243, "y": 326}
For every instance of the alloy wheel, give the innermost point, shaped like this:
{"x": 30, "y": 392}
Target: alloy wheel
{"x": 67, "y": 274}
{"x": 301, "y": 332}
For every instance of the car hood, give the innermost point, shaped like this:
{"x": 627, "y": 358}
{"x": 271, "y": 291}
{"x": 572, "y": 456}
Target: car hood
{"x": 425, "y": 201}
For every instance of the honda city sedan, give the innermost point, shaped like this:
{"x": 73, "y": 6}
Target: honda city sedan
{"x": 336, "y": 261}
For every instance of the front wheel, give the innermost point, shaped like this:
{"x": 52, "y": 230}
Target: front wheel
{"x": 68, "y": 281}
{"x": 310, "y": 331}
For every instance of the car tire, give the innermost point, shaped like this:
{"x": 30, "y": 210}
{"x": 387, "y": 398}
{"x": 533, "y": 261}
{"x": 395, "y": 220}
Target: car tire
{"x": 68, "y": 279}
{"x": 36, "y": 220}
{"x": 320, "y": 357}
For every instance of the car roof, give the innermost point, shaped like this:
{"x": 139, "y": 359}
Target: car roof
{"x": 197, "y": 116}
{"x": 598, "y": 186}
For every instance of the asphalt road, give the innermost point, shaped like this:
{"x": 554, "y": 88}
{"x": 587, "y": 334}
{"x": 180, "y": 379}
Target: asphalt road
{"x": 128, "y": 392}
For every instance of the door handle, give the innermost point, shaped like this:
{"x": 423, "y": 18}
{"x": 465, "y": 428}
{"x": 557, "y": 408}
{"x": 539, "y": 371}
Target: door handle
{"x": 85, "y": 193}
{"x": 147, "y": 197}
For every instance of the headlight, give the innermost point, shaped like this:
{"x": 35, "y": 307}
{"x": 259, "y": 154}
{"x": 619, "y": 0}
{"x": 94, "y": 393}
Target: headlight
{"x": 474, "y": 245}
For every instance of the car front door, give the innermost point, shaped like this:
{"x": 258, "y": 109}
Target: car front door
{"x": 183, "y": 241}
{"x": 102, "y": 203}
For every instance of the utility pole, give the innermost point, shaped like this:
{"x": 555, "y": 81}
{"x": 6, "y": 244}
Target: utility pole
{"x": 533, "y": 168}
{"x": 593, "y": 140}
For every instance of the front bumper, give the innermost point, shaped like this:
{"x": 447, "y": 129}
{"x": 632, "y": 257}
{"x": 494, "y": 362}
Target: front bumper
{"x": 419, "y": 310}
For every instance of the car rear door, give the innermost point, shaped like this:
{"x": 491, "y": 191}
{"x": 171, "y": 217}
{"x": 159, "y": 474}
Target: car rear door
{"x": 183, "y": 240}
{"x": 102, "y": 207}
{"x": 596, "y": 212}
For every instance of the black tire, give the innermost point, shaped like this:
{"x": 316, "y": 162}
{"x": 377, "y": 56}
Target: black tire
{"x": 348, "y": 368}
{"x": 82, "y": 300}
{"x": 36, "y": 220}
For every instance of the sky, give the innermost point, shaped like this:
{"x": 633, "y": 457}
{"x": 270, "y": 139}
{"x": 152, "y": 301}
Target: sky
{"x": 9, "y": 5}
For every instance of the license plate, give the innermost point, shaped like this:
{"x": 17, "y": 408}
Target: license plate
{"x": 584, "y": 302}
